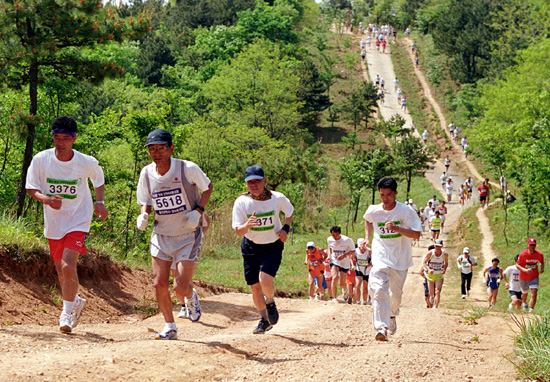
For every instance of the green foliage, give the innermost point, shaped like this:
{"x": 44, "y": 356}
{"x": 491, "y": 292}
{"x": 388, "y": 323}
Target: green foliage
{"x": 267, "y": 22}
{"x": 532, "y": 347}
{"x": 360, "y": 104}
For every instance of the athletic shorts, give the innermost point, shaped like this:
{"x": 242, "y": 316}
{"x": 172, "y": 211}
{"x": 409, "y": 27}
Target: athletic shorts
{"x": 73, "y": 240}
{"x": 436, "y": 230}
{"x": 341, "y": 269}
{"x": 492, "y": 285}
{"x": 360, "y": 274}
{"x": 350, "y": 278}
{"x": 526, "y": 285}
{"x": 261, "y": 258}
{"x": 434, "y": 277}
{"x": 317, "y": 271}
{"x": 482, "y": 198}
{"x": 185, "y": 247}
{"x": 515, "y": 293}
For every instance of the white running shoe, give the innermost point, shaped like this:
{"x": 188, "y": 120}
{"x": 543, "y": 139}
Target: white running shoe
{"x": 194, "y": 307}
{"x": 184, "y": 313}
{"x": 463, "y": 296}
{"x": 65, "y": 323}
{"x": 333, "y": 300}
{"x": 530, "y": 310}
{"x": 167, "y": 333}
{"x": 311, "y": 297}
{"x": 316, "y": 298}
{"x": 393, "y": 326}
{"x": 78, "y": 307}
{"x": 510, "y": 307}
{"x": 381, "y": 335}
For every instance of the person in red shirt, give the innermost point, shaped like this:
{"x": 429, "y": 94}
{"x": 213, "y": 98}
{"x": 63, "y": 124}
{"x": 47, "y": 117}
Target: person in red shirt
{"x": 528, "y": 265}
{"x": 482, "y": 194}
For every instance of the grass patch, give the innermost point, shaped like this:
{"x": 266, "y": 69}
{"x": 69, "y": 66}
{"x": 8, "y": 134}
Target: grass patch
{"x": 532, "y": 347}
{"x": 474, "y": 314}
{"x": 147, "y": 307}
{"x": 20, "y": 232}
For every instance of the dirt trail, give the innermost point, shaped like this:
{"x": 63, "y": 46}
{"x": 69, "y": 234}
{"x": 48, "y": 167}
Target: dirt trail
{"x": 314, "y": 341}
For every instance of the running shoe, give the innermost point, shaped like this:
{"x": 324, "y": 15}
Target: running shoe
{"x": 463, "y": 296}
{"x": 316, "y": 298}
{"x": 381, "y": 335}
{"x": 345, "y": 296}
{"x": 263, "y": 326}
{"x": 65, "y": 323}
{"x": 184, "y": 312}
{"x": 525, "y": 307}
{"x": 359, "y": 302}
{"x": 530, "y": 310}
{"x": 272, "y": 313}
{"x": 350, "y": 300}
{"x": 368, "y": 303}
{"x": 193, "y": 306}
{"x": 333, "y": 300}
{"x": 311, "y": 297}
{"x": 510, "y": 307}
{"x": 393, "y": 326}
{"x": 167, "y": 333}
{"x": 78, "y": 307}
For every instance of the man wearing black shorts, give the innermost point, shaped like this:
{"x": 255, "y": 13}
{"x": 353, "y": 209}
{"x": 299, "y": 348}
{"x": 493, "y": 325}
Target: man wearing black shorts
{"x": 256, "y": 217}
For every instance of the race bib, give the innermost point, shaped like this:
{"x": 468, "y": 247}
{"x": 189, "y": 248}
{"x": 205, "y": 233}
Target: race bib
{"x": 266, "y": 221}
{"x": 386, "y": 233}
{"x": 65, "y": 188}
{"x": 169, "y": 202}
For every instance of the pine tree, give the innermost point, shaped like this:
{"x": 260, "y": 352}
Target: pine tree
{"x": 40, "y": 38}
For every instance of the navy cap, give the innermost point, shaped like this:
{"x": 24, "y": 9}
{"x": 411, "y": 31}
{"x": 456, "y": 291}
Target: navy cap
{"x": 159, "y": 137}
{"x": 253, "y": 172}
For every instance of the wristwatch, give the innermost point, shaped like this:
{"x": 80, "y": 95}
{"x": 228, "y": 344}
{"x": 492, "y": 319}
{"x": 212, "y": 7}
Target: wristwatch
{"x": 201, "y": 208}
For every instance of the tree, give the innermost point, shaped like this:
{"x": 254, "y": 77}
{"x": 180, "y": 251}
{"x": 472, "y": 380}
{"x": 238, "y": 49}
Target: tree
{"x": 361, "y": 103}
{"x": 411, "y": 158}
{"x": 267, "y": 22}
{"x": 464, "y": 33}
{"x": 313, "y": 92}
{"x": 41, "y": 39}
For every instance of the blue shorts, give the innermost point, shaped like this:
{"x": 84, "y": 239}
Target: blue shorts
{"x": 260, "y": 258}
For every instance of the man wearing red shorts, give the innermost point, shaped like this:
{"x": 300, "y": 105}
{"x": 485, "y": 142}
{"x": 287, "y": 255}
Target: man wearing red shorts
{"x": 528, "y": 265}
{"x": 58, "y": 178}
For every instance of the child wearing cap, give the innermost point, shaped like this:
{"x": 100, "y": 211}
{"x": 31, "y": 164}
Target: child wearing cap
{"x": 493, "y": 275}
{"x": 435, "y": 265}
{"x": 465, "y": 264}
{"x": 315, "y": 258}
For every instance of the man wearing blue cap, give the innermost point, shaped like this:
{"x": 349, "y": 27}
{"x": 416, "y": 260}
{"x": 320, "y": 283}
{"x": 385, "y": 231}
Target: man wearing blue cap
{"x": 256, "y": 217}
{"x": 58, "y": 178}
{"x": 177, "y": 191}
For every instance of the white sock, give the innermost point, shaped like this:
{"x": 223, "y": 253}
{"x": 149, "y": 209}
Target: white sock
{"x": 171, "y": 325}
{"x": 68, "y": 306}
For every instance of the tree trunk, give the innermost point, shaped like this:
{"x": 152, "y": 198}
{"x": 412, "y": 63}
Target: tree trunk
{"x": 31, "y": 130}
{"x": 356, "y": 208}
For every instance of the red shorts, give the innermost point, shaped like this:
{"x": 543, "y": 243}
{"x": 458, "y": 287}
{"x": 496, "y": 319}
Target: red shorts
{"x": 317, "y": 271}
{"x": 350, "y": 279}
{"x": 73, "y": 240}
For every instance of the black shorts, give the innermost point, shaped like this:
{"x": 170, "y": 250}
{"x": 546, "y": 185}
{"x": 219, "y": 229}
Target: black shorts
{"x": 515, "y": 293}
{"x": 260, "y": 258}
{"x": 360, "y": 274}
{"x": 345, "y": 270}
{"x": 482, "y": 198}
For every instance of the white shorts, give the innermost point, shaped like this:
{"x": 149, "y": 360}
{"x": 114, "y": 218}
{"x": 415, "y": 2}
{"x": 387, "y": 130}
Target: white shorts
{"x": 177, "y": 248}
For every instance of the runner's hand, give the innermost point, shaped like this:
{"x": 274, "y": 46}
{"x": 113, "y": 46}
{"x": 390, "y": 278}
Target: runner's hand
{"x": 101, "y": 210}
{"x": 193, "y": 218}
{"x": 142, "y": 221}
{"x": 282, "y": 235}
{"x": 252, "y": 220}
{"x": 55, "y": 202}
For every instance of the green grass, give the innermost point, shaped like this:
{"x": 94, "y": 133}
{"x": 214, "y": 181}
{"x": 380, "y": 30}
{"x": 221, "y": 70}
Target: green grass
{"x": 20, "y": 232}
{"x": 474, "y": 314}
{"x": 532, "y": 347}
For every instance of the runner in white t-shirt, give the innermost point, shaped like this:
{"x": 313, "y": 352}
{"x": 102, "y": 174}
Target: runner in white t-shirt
{"x": 340, "y": 248}
{"x": 362, "y": 270}
{"x": 465, "y": 264}
{"x": 177, "y": 191}
{"x": 511, "y": 278}
{"x": 256, "y": 217}
{"x": 58, "y": 178}
{"x": 391, "y": 226}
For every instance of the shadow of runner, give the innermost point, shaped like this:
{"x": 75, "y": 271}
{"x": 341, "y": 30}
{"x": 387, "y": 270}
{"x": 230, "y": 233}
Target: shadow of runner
{"x": 316, "y": 344}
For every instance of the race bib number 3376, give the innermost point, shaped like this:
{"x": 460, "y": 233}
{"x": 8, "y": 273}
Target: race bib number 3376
{"x": 65, "y": 188}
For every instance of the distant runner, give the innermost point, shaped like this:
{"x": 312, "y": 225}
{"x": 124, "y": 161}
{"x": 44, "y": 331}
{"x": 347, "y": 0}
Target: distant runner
{"x": 465, "y": 264}
{"x": 435, "y": 265}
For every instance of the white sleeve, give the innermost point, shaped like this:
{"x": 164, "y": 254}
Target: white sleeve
{"x": 143, "y": 192}
{"x": 96, "y": 173}
{"x": 196, "y": 176}
{"x": 286, "y": 206}
{"x": 34, "y": 181}
{"x": 239, "y": 214}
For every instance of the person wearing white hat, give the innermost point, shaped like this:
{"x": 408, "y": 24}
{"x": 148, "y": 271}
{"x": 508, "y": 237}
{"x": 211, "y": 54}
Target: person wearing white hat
{"x": 435, "y": 265}
{"x": 465, "y": 264}
{"x": 362, "y": 270}
{"x": 315, "y": 258}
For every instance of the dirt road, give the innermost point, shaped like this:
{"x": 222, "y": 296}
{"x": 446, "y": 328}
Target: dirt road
{"x": 314, "y": 341}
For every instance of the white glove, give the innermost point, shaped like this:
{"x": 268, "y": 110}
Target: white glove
{"x": 193, "y": 218}
{"x": 142, "y": 221}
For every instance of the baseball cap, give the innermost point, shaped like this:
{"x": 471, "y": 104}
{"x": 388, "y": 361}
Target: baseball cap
{"x": 253, "y": 172}
{"x": 531, "y": 241}
{"x": 64, "y": 125}
{"x": 466, "y": 250}
{"x": 310, "y": 245}
{"x": 159, "y": 137}
{"x": 410, "y": 201}
{"x": 438, "y": 243}
{"x": 360, "y": 240}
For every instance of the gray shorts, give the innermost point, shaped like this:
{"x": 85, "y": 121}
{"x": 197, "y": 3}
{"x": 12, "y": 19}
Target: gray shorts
{"x": 177, "y": 248}
{"x": 526, "y": 285}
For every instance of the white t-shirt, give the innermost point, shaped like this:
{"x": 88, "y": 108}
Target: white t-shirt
{"x": 390, "y": 248}
{"x": 435, "y": 203}
{"x": 363, "y": 259}
{"x": 338, "y": 248}
{"x": 425, "y": 135}
{"x": 69, "y": 180}
{"x": 267, "y": 212}
{"x": 443, "y": 178}
{"x": 465, "y": 265}
{"x": 168, "y": 197}
{"x": 449, "y": 188}
{"x": 512, "y": 275}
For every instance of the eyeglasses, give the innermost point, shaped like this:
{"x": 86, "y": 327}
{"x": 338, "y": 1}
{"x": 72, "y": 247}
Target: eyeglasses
{"x": 159, "y": 149}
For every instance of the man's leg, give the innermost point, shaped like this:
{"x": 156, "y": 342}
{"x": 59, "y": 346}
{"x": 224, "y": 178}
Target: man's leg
{"x": 533, "y": 300}
{"x": 311, "y": 283}
{"x": 258, "y": 298}
{"x": 335, "y": 276}
{"x": 161, "y": 276}
{"x": 320, "y": 289}
{"x": 268, "y": 288}
{"x": 69, "y": 278}
{"x": 379, "y": 288}
{"x": 343, "y": 283}
{"x": 463, "y": 284}
{"x": 183, "y": 280}
{"x": 468, "y": 282}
